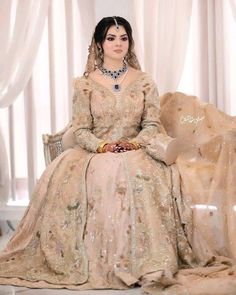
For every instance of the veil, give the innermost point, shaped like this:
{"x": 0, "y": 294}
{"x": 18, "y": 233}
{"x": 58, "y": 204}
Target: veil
{"x": 94, "y": 59}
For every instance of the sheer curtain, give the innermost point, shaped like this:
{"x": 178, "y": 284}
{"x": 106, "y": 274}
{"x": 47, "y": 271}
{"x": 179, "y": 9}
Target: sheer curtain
{"x": 20, "y": 34}
{"x": 210, "y": 65}
{"x": 4, "y": 172}
{"x": 212, "y": 53}
{"x": 177, "y": 42}
{"x": 162, "y": 28}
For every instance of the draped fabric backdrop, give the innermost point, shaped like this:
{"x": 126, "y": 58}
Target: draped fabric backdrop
{"x": 185, "y": 45}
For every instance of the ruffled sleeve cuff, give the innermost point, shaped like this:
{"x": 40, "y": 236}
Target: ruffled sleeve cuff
{"x": 163, "y": 148}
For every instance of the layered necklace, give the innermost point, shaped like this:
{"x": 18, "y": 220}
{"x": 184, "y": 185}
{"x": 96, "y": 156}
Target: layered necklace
{"x": 115, "y": 75}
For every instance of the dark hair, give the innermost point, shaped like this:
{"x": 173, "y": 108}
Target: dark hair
{"x": 107, "y": 22}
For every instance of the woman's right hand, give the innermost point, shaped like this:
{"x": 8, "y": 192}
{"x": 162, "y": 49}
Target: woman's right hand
{"x": 110, "y": 147}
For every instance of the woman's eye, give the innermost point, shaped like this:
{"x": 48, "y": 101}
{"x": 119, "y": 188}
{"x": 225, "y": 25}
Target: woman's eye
{"x": 124, "y": 38}
{"x": 110, "y": 39}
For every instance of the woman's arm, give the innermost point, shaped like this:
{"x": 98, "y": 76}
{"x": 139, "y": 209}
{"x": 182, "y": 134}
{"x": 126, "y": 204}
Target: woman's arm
{"x": 82, "y": 120}
{"x": 150, "y": 124}
{"x": 152, "y": 135}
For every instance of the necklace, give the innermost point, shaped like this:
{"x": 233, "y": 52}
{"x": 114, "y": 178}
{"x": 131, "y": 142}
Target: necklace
{"x": 114, "y": 74}
{"x": 117, "y": 86}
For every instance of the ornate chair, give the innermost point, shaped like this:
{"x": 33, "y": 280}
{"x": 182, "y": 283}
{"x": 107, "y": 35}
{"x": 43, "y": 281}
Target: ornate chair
{"x": 55, "y": 144}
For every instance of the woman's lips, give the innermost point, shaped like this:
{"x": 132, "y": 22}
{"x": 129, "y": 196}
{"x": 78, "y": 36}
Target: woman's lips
{"x": 118, "y": 50}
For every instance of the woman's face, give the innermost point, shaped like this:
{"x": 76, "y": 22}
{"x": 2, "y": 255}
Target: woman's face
{"x": 116, "y": 43}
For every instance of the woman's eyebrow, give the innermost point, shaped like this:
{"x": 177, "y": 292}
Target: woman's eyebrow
{"x": 115, "y": 35}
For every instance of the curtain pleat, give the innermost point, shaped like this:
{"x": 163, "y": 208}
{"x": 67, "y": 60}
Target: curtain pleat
{"x": 17, "y": 61}
{"x": 30, "y": 136}
{"x": 51, "y": 49}
{"x": 69, "y": 19}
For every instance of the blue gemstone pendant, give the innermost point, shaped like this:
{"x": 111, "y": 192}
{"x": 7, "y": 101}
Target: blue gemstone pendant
{"x": 116, "y": 87}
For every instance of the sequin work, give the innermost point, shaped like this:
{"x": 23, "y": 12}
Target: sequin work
{"x": 107, "y": 220}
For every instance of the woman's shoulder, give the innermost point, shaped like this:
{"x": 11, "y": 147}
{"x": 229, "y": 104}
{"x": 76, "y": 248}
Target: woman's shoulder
{"x": 147, "y": 78}
{"x": 84, "y": 81}
{"x": 141, "y": 76}
{"x": 80, "y": 81}
{"x": 146, "y": 82}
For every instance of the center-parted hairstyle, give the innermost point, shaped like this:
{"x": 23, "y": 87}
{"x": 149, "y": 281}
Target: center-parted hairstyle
{"x": 104, "y": 25}
{"x": 95, "y": 57}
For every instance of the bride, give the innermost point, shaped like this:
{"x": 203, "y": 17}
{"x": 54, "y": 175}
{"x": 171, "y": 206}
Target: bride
{"x": 106, "y": 213}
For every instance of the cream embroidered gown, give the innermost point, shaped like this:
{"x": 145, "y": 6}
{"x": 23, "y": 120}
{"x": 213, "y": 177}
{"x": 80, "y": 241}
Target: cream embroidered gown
{"x": 105, "y": 220}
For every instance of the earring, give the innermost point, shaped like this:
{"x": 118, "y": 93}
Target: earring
{"x": 100, "y": 53}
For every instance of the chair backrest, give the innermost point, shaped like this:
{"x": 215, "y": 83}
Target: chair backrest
{"x": 53, "y": 144}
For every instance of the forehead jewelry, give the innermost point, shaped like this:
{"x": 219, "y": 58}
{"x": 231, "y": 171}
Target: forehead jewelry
{"x": 116, "y": 24}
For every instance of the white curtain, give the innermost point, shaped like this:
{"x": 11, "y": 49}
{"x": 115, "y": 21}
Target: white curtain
{"x": 4, "y": 172}
{"x": 22, "y": 23}
{"x": 210, "y": 65}
{"x": 21, "y": 29}
{"x": 233, "y": 8}
{"x": 211, "y": 53}
{"x": 230, "y": 23}
{"x": 162, "y": 28}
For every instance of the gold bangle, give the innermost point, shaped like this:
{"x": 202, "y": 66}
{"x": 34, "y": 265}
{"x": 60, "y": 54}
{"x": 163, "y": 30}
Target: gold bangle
{"x": 101, "y": 146}
{"x": 136, "y": 145}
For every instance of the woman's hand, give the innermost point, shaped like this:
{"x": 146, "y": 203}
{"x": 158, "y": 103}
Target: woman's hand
{"x": 119, "y": 147}
{"x": 109, "y": 147}
{"x": 126, "y": 146}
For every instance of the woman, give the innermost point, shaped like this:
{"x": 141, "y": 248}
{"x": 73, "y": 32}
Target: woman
{"x": 106, "y": 213}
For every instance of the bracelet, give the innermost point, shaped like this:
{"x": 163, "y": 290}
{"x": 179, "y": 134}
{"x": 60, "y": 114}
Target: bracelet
{"x": 100, "y": 148}
{"x": 136, "y": 145}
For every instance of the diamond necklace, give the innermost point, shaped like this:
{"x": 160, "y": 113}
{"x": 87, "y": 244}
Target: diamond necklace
{"x": 114, "y": 74}
{"x": 117, "y": 86}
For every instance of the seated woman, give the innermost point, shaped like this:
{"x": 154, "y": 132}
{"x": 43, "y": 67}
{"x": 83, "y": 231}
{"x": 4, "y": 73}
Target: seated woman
{"x": 107, "y": 213}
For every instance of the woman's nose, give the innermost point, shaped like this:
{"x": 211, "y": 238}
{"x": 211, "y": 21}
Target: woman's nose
{"x": 118, "y": 43}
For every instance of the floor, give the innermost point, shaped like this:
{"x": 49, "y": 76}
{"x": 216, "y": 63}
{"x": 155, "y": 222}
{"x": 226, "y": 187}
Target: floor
{"x": 10, "y": 290}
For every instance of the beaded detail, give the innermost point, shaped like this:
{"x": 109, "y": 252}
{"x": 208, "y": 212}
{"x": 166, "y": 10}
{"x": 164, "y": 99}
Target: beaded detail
{"x": 114, "y": 74}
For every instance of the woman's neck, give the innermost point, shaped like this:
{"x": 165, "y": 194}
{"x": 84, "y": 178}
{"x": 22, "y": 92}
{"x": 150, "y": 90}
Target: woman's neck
{"x": 113, "y": 64}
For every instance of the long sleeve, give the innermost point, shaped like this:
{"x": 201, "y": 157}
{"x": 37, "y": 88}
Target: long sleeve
{"x": 150, "y": 124}
{"x": 157, "y": 143}
{"x": 82, "y": 120}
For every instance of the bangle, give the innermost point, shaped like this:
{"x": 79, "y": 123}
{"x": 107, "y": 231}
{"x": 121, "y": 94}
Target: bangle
{"x": 136, "y": 145}
{"x": 101, "y": 146}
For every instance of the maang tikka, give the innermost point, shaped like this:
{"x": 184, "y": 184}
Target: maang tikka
{"x": 116, "y": 24}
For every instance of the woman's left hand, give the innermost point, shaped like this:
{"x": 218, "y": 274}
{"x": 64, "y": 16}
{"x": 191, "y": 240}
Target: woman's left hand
{"x": 124, "y": 146}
